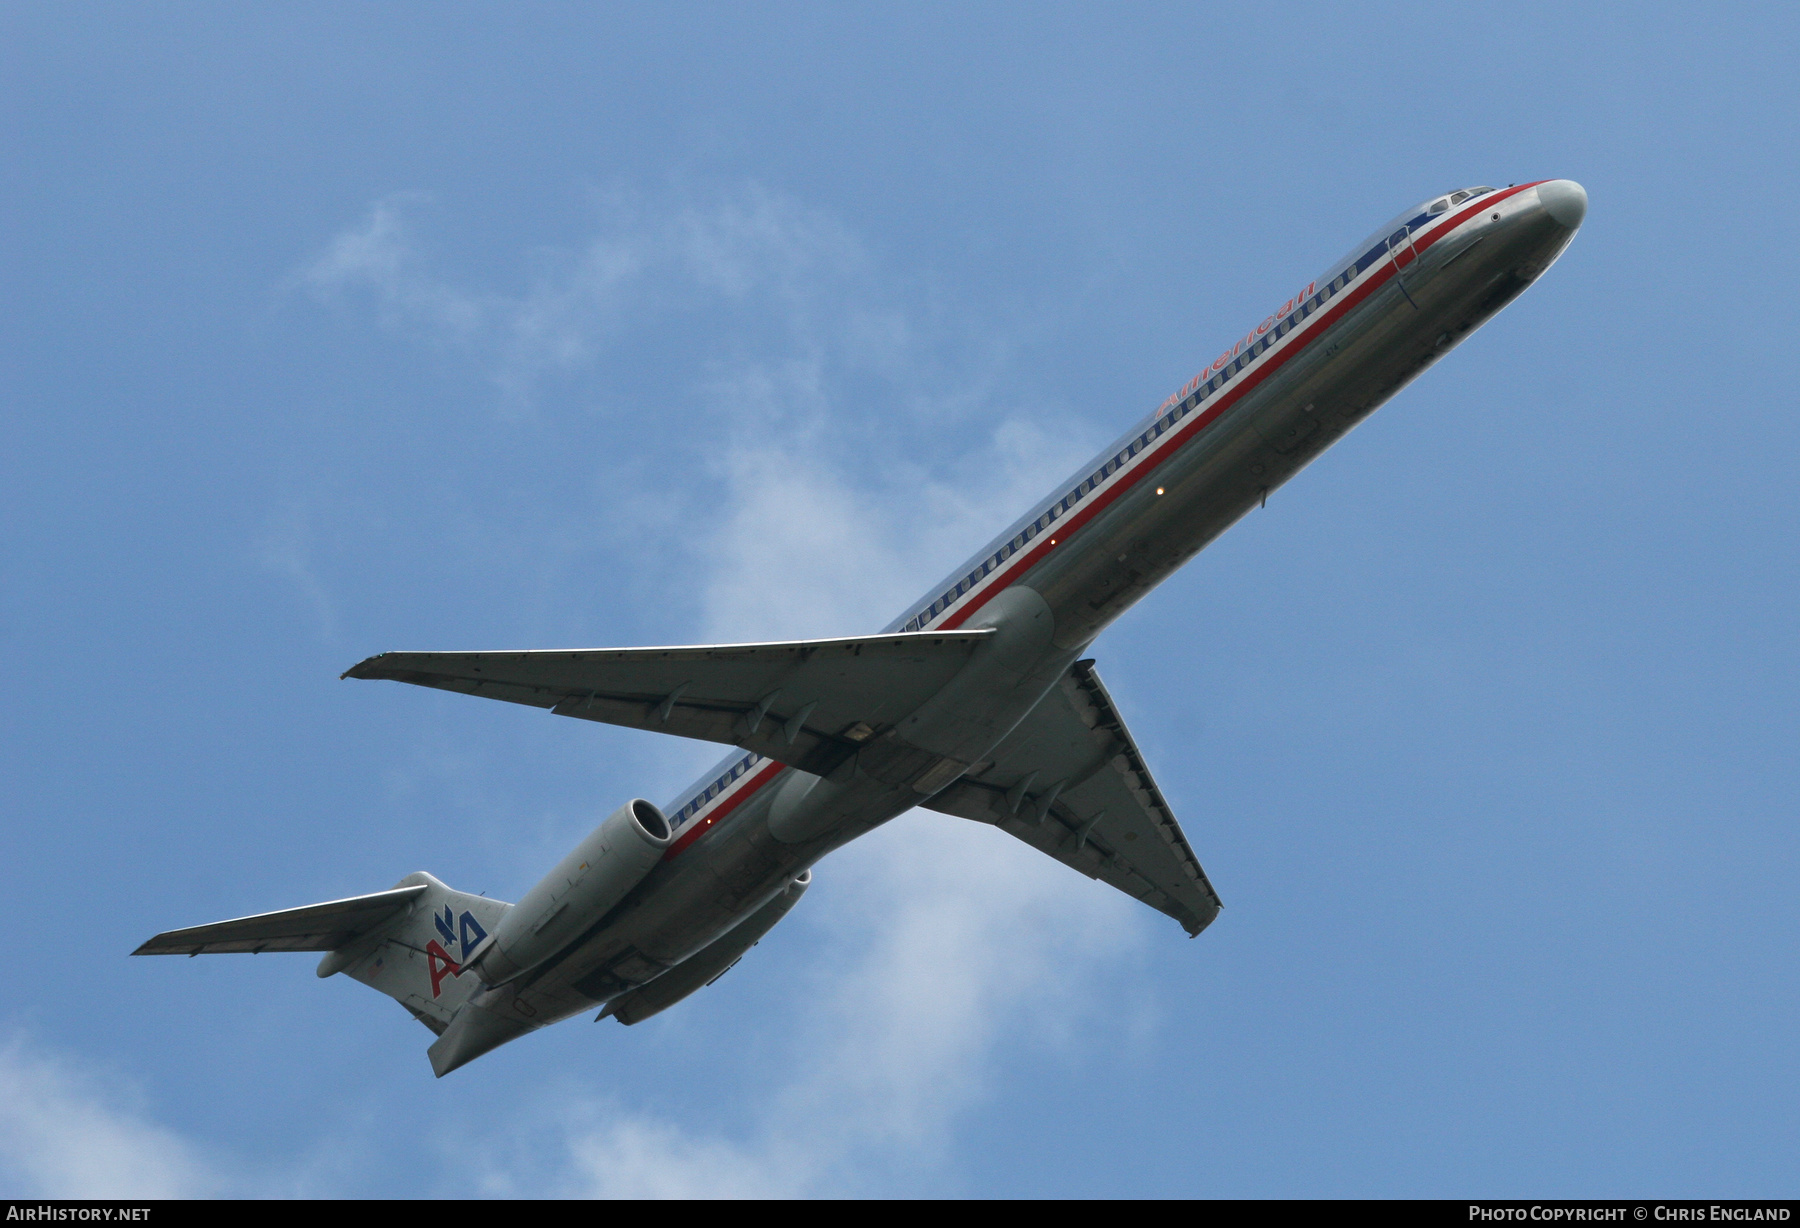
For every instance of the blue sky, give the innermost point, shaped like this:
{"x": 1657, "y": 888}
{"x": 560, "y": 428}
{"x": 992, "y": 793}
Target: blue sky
{"x": 344, "y": 328}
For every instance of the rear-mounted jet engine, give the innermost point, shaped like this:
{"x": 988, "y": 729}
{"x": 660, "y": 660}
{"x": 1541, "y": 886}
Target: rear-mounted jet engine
{"x": 585, "y": 885}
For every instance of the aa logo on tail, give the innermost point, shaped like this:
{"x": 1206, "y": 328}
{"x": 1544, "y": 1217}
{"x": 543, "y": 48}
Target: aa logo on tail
{"x": 468, "y": 936}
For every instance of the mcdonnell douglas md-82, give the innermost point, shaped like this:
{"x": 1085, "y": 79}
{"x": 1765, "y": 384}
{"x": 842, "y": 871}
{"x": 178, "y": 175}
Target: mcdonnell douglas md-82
{"x": 977, "y": 701}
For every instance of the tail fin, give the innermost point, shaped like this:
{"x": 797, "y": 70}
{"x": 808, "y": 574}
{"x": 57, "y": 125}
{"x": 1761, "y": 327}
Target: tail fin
{"x": 410, "y": 942}
{"x": 418, "y": 959}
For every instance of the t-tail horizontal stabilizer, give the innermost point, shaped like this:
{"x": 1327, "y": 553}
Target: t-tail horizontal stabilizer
{"x": 316, "y": 927}
{"x": 412, "y": 942}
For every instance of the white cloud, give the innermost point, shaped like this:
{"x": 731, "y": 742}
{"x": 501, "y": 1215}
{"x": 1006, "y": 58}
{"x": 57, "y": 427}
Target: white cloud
{"x": 651, "y": 257}
{"x": 287, "y": 551}
{"x": 959, "y": 938}
{"x": 944, "y": 943}
{"x": 817, "y": 533}
{"x": 633, "y": 1157}
{"x": 828, "y": 504}
{"x": 378, "y": 256}
{"x": 67, "y": 1132}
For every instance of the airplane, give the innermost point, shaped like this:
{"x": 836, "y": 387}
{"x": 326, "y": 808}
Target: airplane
{"x": 978, "y": 701}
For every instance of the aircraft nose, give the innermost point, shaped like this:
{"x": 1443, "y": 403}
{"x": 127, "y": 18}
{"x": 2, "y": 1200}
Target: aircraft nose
{"x": 1565, "y": 201}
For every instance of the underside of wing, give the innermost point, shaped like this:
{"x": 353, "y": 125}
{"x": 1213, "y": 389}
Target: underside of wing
{"x": 317, "y": 927}
{"x": 806, "y": 703}
{"x": 1070, "y": 782}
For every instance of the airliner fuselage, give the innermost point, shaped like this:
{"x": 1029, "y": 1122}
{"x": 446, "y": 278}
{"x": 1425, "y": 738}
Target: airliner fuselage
{"x": 1012, "y": 728}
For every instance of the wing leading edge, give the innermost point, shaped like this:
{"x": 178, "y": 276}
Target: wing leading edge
{"x": 316, "y": 927}
{"x": 806, "y": 703}
{"x": 1071, "y": 782}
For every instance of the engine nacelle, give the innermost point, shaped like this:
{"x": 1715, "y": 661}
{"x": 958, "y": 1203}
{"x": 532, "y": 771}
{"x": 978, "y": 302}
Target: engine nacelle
{"x": 587, "y": 883}
{"x": 707, "y": 964}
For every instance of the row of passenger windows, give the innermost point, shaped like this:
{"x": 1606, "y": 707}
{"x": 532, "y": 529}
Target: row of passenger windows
{"x": 1057, "y": 510}
{"x": 715, "y": 788}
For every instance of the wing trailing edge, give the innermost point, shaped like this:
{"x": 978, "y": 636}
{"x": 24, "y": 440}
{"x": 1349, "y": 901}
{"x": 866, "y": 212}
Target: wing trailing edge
{"x": 1071, "y": 782}
{"x": 315, "y": 927}
{"x": 805, "y": 703}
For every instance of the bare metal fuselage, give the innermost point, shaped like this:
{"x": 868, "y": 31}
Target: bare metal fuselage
{"x": 1210, "y": 455}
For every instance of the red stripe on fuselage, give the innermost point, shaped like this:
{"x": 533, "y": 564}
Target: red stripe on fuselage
{"x": 699, "y": 826}
{"x": 1470, "y": 210}
{"x": 1058, "y": 531}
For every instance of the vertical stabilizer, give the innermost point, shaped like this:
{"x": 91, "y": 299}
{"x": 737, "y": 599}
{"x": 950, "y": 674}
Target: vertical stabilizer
{"x": 420, "y": 959}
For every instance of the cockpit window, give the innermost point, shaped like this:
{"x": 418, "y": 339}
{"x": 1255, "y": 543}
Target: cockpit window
{"x": 1468, "y": 194}
{"x": 1371, "y": 247}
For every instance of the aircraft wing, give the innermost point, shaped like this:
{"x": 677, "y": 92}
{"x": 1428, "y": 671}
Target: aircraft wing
{"x": 805, "y": 703}
{"x": 317, "y": 927}
{"x": 1071, "y": 782}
